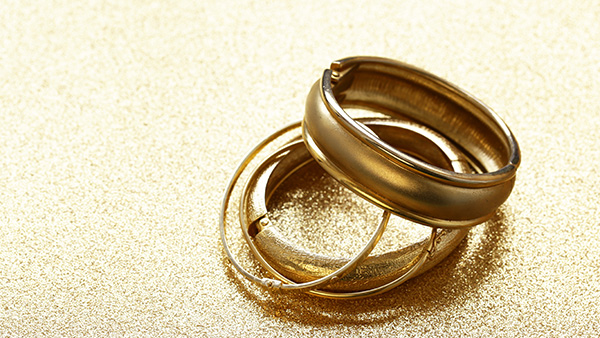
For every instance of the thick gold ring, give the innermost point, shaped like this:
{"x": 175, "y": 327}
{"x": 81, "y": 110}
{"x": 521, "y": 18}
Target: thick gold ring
{"x": 377, "y": 273}
{"x": 397, "y": 181}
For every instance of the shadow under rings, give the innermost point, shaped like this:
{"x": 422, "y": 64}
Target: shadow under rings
{"x": 453, "y": 279}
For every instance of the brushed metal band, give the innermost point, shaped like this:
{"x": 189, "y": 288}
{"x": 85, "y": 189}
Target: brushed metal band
{"x": 396, "y": 181}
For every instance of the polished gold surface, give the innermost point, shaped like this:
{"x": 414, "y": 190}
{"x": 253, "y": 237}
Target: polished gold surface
{"x": 366, "y": 277}
{"x": 123, "y": 121}
{"x": 392, "y": 179}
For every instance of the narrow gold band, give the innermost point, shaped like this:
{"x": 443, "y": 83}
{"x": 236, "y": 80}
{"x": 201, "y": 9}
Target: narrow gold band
{"x": 396, "y": 181}
{"x": 273, "y": 283}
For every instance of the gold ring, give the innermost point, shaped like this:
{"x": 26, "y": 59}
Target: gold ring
{"x": 396, "y": 181}
{"x": 377, "y": 273}
{"x": 273, "y": 283}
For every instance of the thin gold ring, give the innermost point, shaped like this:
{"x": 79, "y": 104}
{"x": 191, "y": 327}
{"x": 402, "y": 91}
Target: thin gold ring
{"x": 398, "y": 182}
{"x": 273, "y": 283}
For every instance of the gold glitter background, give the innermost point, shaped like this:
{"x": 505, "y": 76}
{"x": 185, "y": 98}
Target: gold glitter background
{"x": 121, "y": 123}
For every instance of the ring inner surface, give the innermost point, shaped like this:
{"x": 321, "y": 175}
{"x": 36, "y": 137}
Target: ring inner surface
{"x": 408, "y": 94}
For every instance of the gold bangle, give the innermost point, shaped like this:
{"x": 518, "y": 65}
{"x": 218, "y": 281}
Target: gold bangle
{"x": 395, "y": 181}
{"x": 377, "y": 273}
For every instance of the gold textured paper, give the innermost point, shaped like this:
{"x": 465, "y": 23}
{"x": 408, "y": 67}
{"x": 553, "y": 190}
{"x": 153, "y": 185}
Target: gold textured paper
{"x": 122, "y": 121}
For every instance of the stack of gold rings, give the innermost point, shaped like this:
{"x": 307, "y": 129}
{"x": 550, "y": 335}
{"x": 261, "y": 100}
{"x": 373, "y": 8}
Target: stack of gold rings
{"x": 439, "y": 157}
